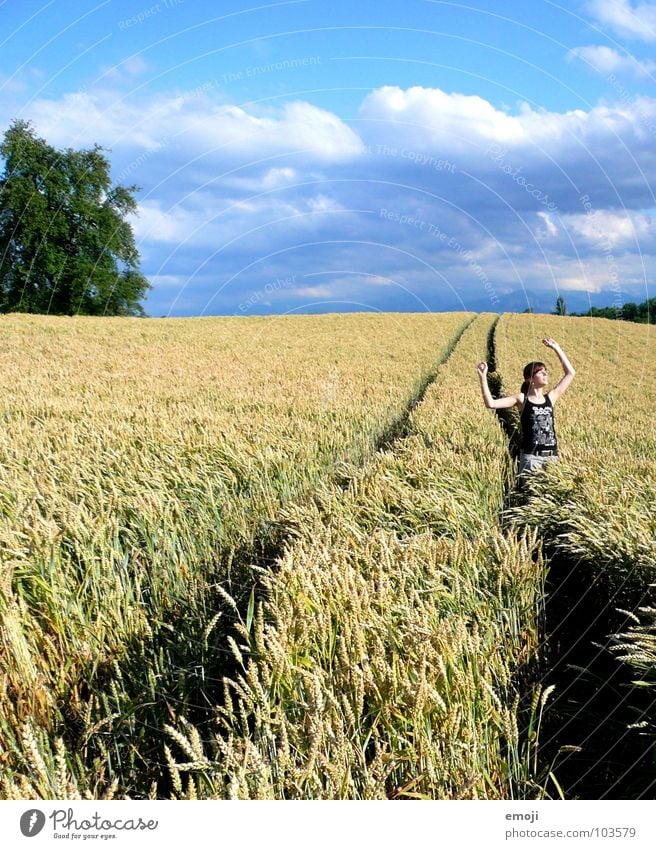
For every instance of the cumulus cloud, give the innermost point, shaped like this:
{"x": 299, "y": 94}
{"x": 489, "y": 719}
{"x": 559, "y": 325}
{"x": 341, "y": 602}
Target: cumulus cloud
{"x": 435, "y": 198}
{"x": 422, "y": 116}
{"x": 607, "y": 61}
{"x": 633, "y": 21}
{"x": 156, "y": 224}
{"x": 198, "y": 123}
{"x": 601, "y": 230}
{"x": 611, "y": 230}
{"x": 419, "y": 119}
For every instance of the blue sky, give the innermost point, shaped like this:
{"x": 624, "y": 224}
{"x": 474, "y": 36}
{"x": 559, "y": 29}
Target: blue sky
{"x": 309, "y": 156}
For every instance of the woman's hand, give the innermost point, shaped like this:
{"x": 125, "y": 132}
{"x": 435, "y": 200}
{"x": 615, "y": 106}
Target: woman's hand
{"x": 568, "y": 370}
{"x": 551, "y": 343}
{"x": 481, "y": 368}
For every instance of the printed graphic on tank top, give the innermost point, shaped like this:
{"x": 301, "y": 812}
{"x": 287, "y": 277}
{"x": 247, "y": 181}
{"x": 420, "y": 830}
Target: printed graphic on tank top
{"x": 538, "y": 426}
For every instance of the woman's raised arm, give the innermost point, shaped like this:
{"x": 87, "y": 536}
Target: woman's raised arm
{"x": 490, "y": 402}
{"x": 568, "y": 369}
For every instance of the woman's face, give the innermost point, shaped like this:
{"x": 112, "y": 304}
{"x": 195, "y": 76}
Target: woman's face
{"x": 540, "y": 376}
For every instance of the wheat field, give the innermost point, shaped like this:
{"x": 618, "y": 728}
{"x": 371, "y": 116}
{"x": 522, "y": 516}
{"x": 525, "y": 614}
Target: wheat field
{"x": 595, "y": 513}
{"x": 274, "y": 557}
{"x": 143, "y": 465}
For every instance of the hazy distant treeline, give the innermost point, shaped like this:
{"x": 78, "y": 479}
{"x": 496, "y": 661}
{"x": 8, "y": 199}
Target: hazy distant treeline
{"x": 642, "y": 313}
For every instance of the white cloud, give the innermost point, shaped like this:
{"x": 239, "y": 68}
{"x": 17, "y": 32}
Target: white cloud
{"x": 424, "y": 115}
{"x": 323, "y": 203}
{"x": 82, "y": 118}
{"x": 154, "y": 224}
{"x": 614, "y": 230}
{"x": 135, "y": 65}
{"x": 550, "y": 228}
{"x": 314, "y": 292}
{"x": 272, "y": 178}
{"x": 229, "y": 190}
{"x": 167, "y": 280}
{"x": 198, "y": 123}
{"x": 402, "y": 123}
{"x": 606, "y": 61}
{"x": 637, "y": 21}
{"x": 580, "y": 284}
{"x": 601, "y": 230}
{"x": 317, "y": 130}
{"x": 253, "y": 151}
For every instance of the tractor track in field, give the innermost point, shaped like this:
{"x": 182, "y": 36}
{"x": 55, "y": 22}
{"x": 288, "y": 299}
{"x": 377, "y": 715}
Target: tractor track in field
{"x": 193, "y": 688}
{"x": 274, "y": 536}
{"x": 594, "y": 701}
{"x": 270, "y": 542}
{"x": 585, "y": 738}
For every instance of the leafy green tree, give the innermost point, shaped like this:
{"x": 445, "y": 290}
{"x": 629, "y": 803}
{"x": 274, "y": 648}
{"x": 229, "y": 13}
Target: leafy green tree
{"x": 65, "y": 244}
{"x": 641, "y": 313}
{"x": 561, "y": 309}
{"x": 630, "y": 312}
{"x": 647, "y": 311}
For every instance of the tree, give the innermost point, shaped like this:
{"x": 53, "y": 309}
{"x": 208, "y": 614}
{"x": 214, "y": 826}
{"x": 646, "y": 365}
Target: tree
{"x": 561, "y": 309}
{"x": 630, "y": 312}
{"x": 65, "y": 244}
{"x": 642, "y": 313}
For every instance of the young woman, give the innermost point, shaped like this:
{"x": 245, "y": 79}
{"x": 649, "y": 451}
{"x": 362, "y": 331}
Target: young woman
{"x": 539, "y": 443}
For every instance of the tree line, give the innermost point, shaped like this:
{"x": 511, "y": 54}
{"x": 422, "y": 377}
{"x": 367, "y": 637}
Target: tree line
{"x": 643, "y": 313}
{"x": 66, "y": 246}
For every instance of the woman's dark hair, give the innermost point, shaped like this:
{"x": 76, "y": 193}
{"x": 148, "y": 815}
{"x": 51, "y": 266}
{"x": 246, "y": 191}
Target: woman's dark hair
{"x": 529, "y": 371}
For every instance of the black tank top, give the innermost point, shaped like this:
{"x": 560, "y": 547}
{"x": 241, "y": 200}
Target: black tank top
{"x": 538, "y": 426}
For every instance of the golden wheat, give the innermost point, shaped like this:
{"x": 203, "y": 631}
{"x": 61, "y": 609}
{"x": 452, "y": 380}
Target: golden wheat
{"x": 598, "y": 505}
{"x": 382, "y": 663}
{"x": 141, "y": 462}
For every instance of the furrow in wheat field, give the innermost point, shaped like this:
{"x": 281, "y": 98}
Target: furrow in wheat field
{"x": 595, "y": 512}
{"x": 142, "y": 463}
{"x": 383, "y": 661}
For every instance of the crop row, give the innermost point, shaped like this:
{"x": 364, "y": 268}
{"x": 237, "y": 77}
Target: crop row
{"x": 143, "y": 465}
{"x": 596, "y": 509}
{"x": 386, "y": 656}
